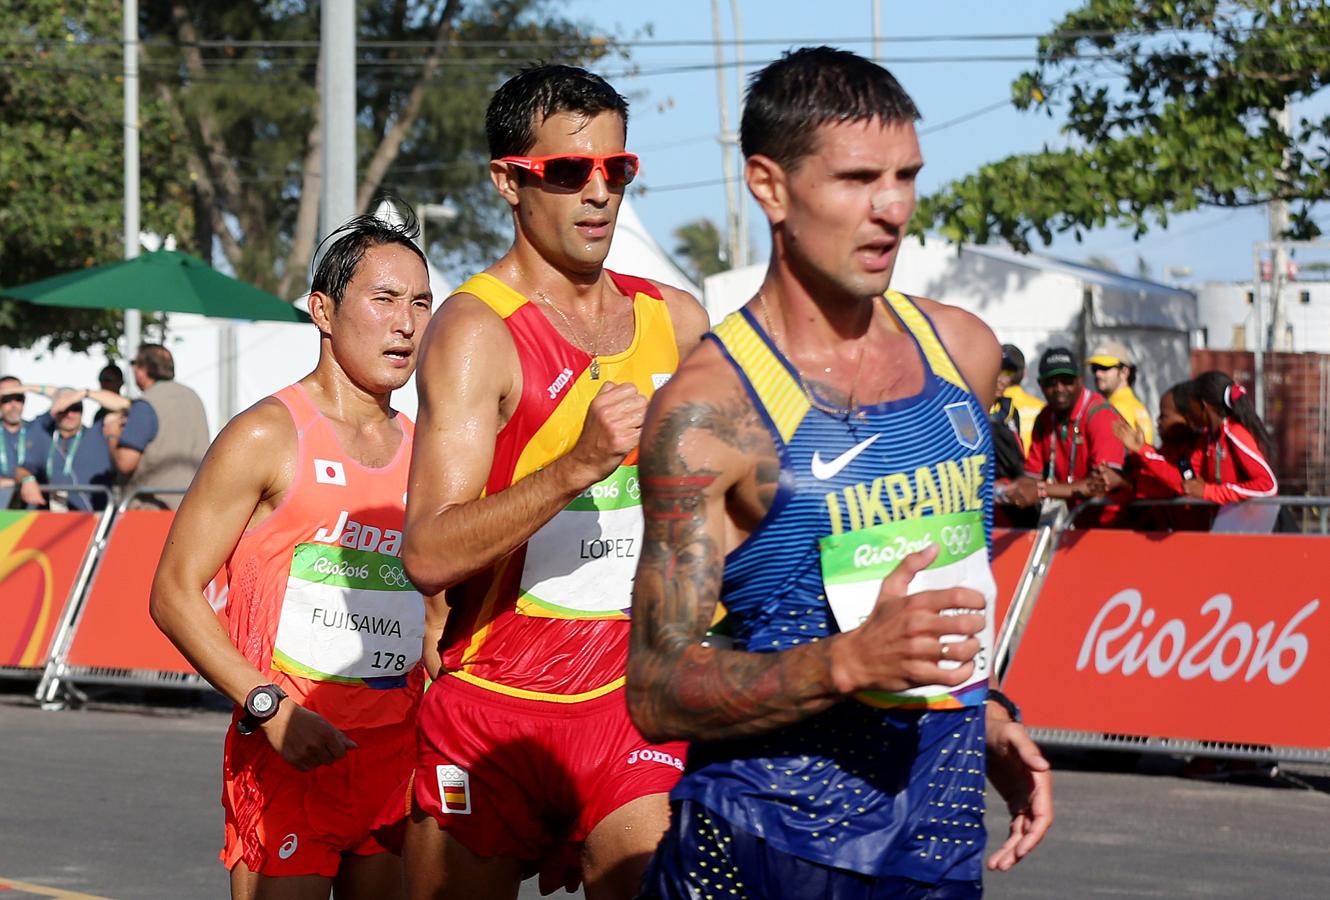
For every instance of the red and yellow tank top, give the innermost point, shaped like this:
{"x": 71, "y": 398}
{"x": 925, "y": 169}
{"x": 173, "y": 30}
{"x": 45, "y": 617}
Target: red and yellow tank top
{"x": 550, "y": 620}
{"x": 318, "y": 598}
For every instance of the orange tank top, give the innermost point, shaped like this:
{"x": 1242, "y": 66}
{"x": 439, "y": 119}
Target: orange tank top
{"x": 318, "y": 598}
{"x": 550, "y": 620}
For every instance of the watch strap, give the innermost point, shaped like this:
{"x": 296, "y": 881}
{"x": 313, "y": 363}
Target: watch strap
{"x": 1006, "y": 703}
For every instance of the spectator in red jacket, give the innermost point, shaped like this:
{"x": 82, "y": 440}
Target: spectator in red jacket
{"x": 1234, "y": 443}
{"x": 1160, "y": 473}
{"x": 1073, "y": 454}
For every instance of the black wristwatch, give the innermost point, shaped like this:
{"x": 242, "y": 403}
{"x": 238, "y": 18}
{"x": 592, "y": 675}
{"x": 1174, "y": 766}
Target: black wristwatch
{"x": 1006, "y": 703}
{"x": 260, "y": 706}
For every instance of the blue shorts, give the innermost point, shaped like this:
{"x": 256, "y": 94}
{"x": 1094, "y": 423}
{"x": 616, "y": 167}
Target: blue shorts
{"x": 703, "y": 855}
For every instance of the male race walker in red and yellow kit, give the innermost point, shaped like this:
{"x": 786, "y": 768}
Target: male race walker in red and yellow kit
{"x": 302, "y": 498}
{"x": 524, "y": 505}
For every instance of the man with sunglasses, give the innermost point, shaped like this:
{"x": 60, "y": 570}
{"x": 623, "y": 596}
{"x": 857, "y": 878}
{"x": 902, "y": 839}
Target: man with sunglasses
{"x": 1074, "y": 454}
{"x": 524, "y": 505}
{"x": 1115, "y": 377}
{"x": 21, "y": 447}
{"x": 75, "y": 454}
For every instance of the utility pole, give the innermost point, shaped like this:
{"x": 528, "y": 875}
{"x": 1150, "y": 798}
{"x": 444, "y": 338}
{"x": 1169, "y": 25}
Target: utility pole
{"x": 337, "y": 32}
{"x": 1279, "y": 336}
{"x": 130, "y": 34}
{"x": 877, "y": 31}
{"x": 741, "y": 195}
{"x": 728, "y": 139}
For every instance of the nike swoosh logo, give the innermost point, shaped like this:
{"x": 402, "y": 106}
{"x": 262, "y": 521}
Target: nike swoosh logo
{"x": 825, "y": 470}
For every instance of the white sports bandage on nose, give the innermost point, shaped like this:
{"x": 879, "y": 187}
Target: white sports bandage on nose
{"x": 882, "y": 199}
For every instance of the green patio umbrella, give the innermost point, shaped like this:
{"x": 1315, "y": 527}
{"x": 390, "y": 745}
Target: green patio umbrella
{"x": 164, "y": 281}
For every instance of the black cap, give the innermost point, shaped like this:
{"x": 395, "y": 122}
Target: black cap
{"x": 1058, "y": 361}
{"x": 1013, "y": 360}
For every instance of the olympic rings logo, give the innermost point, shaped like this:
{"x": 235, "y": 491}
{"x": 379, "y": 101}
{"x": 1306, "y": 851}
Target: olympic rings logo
{"x": 393, "y": 576}
{"x": 957, "y": 538}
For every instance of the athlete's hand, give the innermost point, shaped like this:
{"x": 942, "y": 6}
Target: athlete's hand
{"x": 613, "y": 428}
{"x": 305, "y": 739}
{"x": 1021, "y": 775}
{"x": 899, "y": 645}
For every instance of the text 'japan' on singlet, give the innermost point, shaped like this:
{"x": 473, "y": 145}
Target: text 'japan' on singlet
{"x": 883, "y": 784}
{"x": 550, "y": 620}
{"x": 317, "y": 594}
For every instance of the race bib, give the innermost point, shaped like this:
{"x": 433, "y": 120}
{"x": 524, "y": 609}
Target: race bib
{"x": 348, "y": 616}
{"x": 582, "y": 563}
{"x": 855, "y": 563}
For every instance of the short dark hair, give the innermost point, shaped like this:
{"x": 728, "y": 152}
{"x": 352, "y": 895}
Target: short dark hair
{"x": 809, "y": 87}
{"x": 111, "y": 372}
{"x": 157, "y": 361}
{"x": 541, "y": 91}
{"x": 350, "y": 241}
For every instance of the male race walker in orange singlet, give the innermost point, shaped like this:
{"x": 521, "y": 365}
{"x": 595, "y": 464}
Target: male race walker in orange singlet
{"x": 302, "y": 498}
{"x": 524, "y": 504}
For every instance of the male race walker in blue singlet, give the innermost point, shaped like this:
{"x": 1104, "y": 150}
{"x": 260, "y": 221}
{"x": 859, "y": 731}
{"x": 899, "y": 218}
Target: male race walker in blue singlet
{"x": 819, "y": 471}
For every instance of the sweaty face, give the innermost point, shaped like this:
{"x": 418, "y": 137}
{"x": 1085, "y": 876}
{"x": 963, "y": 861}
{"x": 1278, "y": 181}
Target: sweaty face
{"x": 1061, "y": 391}
{"x": 571, "y": 228}
{"x": 376, "y": 330}
{"x": 849, "y": 202}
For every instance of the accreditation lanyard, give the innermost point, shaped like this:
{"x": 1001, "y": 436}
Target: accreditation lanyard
{"x": 1050, "y": 472}
{"x": 70, "y": 453}
{"x": 22, "y": 449}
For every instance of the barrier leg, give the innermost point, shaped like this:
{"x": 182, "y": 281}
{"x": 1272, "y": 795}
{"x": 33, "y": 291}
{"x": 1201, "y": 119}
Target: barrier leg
{"x": 1053, "y": 520}
{"x": 49, "y": 688}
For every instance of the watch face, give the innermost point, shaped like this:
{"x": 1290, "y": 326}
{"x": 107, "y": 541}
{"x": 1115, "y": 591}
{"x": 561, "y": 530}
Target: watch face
{"x": 263, "y": 703}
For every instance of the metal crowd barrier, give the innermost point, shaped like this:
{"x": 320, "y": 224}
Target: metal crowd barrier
{"x": 86, "y": 565}
{"x": 1054, "y": 520}
{"x": 1321, "y": 504}
{"x": 59, "y": 677}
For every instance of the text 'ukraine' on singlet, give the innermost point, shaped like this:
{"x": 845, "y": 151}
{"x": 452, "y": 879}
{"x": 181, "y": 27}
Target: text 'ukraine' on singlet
{"x": 550, "y": 620}
{"x": 884, "y": 784}
{"x": 317, "y": 595}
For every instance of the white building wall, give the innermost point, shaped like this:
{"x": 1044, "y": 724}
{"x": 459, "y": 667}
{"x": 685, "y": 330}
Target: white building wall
{"x": 1226, "y": 315}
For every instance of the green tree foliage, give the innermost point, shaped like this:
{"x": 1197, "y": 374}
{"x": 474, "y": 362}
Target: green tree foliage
{"x": 1169, "y": 107}
{"x": 61, "y": 162}
{"x": 698, "y": 244}
{"x": 230, "y": 131}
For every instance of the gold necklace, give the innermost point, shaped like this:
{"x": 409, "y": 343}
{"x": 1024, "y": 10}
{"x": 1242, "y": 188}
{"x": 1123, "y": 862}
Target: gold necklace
{"x": 837, "y": 411}
{"x": 586, "y": 347}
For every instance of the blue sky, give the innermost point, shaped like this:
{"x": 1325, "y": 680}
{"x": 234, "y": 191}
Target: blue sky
{"x": 675, "y": 116}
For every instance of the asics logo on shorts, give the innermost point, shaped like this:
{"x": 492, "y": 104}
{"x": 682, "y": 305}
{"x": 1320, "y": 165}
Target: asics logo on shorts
{"x": 656, "y": 756}
{"x": 289, "y": 845}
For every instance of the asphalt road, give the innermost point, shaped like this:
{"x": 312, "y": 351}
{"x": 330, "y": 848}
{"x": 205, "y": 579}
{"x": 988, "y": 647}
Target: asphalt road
{"x": 122, "y": 802}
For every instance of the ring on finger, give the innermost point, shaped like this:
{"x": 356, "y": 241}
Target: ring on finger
{"x": 946, "y": 649}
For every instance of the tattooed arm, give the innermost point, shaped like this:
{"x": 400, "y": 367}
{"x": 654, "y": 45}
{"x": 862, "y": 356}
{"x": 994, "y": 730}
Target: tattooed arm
{"x": 709, "y": 475}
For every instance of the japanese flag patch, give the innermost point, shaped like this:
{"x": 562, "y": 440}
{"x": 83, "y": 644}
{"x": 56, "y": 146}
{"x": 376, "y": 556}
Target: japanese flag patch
{"x": 327, "y": 471}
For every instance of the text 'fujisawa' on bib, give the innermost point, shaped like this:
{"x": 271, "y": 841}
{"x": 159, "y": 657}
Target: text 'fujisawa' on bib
{"x": 855, "y": 563}
{"x": 581, "y": 564}
{"x": 349, "y": 616}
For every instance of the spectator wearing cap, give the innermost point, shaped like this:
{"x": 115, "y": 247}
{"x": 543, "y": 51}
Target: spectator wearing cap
{"x": 21, "y": 446}
{"x": 165, "y": 434}
{"x": 1074, "y": 454}
{"x": 1115, "y": 376}
{"x": 1027, "y": 405}
{"x": 75, "y": 454}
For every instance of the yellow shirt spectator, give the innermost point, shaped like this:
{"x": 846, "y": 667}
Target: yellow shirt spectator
{"x": 1028, "y": 406}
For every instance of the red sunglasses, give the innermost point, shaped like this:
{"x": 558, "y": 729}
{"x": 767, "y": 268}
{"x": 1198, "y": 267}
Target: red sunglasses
{"x": 571, "y": 172}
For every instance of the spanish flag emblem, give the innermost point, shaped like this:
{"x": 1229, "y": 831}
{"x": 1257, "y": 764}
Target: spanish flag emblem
{"x": 454, "y": 790}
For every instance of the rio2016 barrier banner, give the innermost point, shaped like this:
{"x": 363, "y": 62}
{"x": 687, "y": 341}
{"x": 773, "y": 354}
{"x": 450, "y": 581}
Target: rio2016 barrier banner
{"x": 1011, "y": 549}
{"x": 115, "y": 630}
{"x": 40, "y": 554}
{"x": 1187, "y": 636}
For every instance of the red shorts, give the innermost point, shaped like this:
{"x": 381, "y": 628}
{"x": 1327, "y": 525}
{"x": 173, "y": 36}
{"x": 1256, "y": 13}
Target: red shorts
{"x": 281, "y": 821}
{"x": 523, "y": 778}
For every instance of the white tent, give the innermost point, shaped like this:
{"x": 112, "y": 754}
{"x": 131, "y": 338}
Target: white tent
{"x": 634, "y": 252}
{"x": 1032, "y": 301}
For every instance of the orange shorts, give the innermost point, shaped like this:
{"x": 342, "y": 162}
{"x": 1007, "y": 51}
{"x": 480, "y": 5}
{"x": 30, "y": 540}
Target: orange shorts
{"x": 523, "y": 778}
{"x": 281, "y": 821}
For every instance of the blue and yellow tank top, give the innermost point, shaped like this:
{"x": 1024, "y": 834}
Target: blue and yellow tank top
{"x": 893, "y": 785}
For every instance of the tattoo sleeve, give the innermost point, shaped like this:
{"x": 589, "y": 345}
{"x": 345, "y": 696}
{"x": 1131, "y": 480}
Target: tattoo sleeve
{"x": 679, "y": 687}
